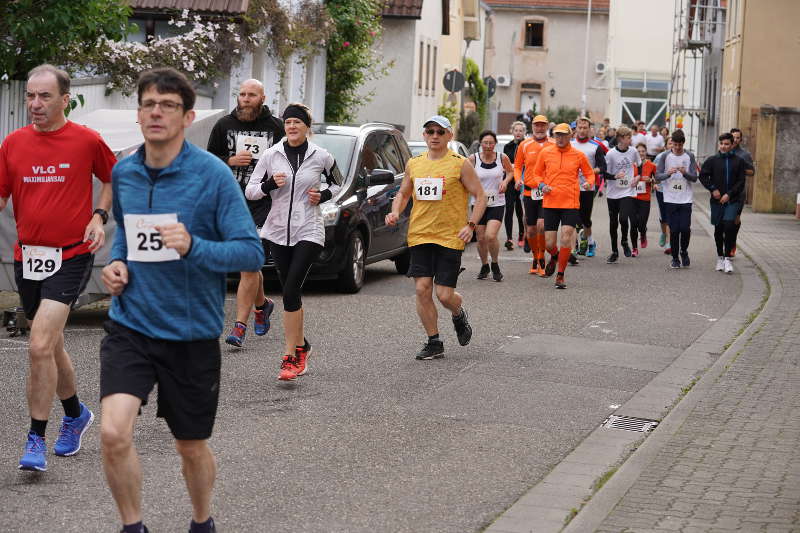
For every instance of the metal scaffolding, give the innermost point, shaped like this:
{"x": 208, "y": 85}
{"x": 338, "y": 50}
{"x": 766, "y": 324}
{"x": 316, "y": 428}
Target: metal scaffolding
{"x": 698, "y": 31}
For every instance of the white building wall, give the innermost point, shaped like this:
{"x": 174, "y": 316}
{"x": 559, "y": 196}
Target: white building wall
{"x": 639, "y": 45}
{"x": 398, "y": 98}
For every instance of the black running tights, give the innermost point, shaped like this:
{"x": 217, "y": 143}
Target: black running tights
{"x": 620, "y": 212}
{"x": 641, "y": 212}
{"x": 513, "y": 205}
{"x": 293, "y": 264}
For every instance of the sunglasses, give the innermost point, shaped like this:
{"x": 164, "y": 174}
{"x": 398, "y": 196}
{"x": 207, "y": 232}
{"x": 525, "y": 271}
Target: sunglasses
{"x": 431, "y": 131}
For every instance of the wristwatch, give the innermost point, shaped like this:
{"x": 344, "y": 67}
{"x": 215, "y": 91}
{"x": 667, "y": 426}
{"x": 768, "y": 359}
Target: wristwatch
{"x": 471, "y": 224}
{"x": 103, "y": 214}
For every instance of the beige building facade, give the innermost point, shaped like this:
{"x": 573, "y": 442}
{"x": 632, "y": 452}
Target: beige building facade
{"x": 761, "y": 63}
{"x": 535, "y": 51}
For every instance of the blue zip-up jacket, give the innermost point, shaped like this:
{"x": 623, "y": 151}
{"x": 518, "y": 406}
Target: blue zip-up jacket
{"x": 183, "y": 300}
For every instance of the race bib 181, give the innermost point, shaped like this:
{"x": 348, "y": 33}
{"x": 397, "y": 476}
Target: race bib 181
{"x": 40, "y": 262}
{"x": 144, "y": 240}
{"x": 428, "y": 188}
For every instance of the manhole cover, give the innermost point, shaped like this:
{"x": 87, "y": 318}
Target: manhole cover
{"x": 630, "y": 423}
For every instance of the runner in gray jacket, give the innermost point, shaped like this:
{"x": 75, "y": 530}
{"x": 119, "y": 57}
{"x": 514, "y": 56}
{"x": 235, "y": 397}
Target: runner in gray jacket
{"x": 298, "y": 175}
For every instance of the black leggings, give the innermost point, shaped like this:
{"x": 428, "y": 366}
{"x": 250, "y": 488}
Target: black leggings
{"x": 513, "y": 205}
{"x": 680, "y": 227}
{"x": 293, "y": 264}
{"x": 725, "y": 237}
{"x": 641, "y": 212}
{"x": 620, "y": 212}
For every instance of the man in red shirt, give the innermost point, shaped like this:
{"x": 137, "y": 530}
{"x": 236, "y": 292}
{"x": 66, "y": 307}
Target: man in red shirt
{"x": 47, "y": 168}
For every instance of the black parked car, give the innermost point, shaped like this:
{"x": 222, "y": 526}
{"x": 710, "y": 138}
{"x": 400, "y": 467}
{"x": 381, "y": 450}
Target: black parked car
{"x": 371, "y": 159}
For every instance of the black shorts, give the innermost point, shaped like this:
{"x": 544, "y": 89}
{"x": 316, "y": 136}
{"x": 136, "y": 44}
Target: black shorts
{"x": 187, "y": 373}
{"x": 566, "y": 217}
{"x": 533, "y": 210}
{"x": 64, "y": 286}
{"x": 587, "y": 203}
{"x": 259, "y": 209}
{"x": 492, "y": 213}
{"x": 437, "y": 262}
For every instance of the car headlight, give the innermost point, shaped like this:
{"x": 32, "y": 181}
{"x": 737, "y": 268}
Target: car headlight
{"x": 330, "y": 214}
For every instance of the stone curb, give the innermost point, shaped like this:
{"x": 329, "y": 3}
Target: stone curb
{"x": 599, "y": 507}
{"x": 567, "y": 494}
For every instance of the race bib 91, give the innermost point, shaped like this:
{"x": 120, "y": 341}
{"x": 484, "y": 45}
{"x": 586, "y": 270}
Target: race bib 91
{"x": 255, "y": 145}
{"x": 40, "y": 262}
{"x": 144, "y": 240}
{"x": 428, "y": 188}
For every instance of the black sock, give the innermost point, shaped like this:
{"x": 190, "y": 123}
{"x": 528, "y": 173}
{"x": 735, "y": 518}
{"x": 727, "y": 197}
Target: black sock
{"x": 38, "y": 426}
{"x": 138, "y": 527}
{"x": 433, "y": 338}
{"x": 262, "y": 306}
{"x": 72, "y": 407}
{"x": 237, "y": 323}
{"x": 205, "y": 527}
{"x": 305, "y": 343}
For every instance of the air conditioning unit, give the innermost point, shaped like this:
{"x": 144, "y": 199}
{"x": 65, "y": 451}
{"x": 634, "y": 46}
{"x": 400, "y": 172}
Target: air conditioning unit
{"x": 600, "y": 67}
{"x": 504, "y": 80}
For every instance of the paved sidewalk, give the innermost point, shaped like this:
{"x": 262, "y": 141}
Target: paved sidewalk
{"x": 734, "y": 462}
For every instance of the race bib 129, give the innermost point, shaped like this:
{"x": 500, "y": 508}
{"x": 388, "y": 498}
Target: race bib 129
{"x": 144, "y": 240}
{"x": 40, "y": 262}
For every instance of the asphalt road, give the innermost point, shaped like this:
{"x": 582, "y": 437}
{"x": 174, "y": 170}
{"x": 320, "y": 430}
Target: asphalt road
{"x": 371, "y": 439}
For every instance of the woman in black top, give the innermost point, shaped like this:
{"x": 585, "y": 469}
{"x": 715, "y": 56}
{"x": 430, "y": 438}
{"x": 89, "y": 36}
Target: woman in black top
{"x": 513, "y": 195}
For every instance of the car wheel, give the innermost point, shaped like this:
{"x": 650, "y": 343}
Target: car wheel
{"x": 351, "y": 278}
{"x": 402, "y": 262}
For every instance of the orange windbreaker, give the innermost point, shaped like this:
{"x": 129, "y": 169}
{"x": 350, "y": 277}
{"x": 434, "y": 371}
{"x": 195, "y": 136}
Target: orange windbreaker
{"x": 558, "y": 168}
{"x": 648, "y": 170}
{"x": 526, "y": 157}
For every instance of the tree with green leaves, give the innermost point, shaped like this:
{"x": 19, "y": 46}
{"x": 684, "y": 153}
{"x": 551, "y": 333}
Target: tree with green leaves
{"x": 33, "y": 32}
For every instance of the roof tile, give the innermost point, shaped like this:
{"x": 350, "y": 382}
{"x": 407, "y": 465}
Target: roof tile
{"x": 211, "y": 6}
{"x": 551, "y": 4}
{"x": 402, "y": 8}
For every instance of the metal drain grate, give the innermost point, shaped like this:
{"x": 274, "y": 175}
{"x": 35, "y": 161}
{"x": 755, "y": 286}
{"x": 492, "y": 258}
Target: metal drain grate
{"x": 629, "y": 423}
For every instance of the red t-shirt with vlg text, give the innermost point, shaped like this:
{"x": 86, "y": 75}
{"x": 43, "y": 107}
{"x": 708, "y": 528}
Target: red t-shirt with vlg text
{"x": 48, "y": 175}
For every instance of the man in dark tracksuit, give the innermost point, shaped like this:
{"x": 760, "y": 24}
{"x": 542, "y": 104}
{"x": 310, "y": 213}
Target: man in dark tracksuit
{"x": 239, "y": 139}
{"x": 724, "y": 175}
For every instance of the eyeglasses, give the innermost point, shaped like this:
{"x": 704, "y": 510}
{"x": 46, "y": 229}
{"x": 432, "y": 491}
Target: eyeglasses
{"x": 167, "y": 106}
{"x": 431, "y": 131}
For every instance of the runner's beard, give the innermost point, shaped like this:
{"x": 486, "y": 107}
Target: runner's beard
{"x": 247, "y": 114}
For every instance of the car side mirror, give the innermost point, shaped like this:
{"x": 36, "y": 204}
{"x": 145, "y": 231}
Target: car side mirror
{"x": 380, "y": 176}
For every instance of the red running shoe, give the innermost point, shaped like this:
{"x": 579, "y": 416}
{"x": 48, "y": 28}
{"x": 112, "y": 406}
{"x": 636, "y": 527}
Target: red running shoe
{"x": 288, "y": 368}
{"x": 644, "y": 242}
{"x": 301, "y": 355}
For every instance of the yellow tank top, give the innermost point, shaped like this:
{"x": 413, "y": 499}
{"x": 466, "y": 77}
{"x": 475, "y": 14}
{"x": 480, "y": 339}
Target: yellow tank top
{"x": 437, "y": 221}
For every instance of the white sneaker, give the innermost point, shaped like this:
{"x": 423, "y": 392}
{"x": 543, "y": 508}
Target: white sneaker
{"x": 720, "y": 264}
{"x": 728, "y": 266}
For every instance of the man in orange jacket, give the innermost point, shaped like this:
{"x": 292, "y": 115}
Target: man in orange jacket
{"x": 556, "y": 176}
{"x": 532, "y": 197}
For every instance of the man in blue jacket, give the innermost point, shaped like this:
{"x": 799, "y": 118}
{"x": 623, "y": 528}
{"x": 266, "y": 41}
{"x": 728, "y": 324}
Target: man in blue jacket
{"x": 182, "y": 223}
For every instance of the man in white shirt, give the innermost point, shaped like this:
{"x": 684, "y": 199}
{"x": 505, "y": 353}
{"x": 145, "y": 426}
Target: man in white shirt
{"x": 654, "y": 143}
{"x": 639, "y": 134}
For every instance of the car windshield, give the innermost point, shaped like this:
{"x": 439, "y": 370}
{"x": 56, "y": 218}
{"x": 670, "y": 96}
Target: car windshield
{"x": 417, "y": 148}
{"x": 340, "y": 147}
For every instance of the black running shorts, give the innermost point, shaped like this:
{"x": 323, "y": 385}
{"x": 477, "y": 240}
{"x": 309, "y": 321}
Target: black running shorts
{"x": 187, "y": 373}
{"x": 64, "y": 286}
{"x": 566, "y": 217}
{"x": 587, "y": 202}
{"x": 437, "y": 262}
{"x": 492, "y": 213}
{"x": 533, "y": 210}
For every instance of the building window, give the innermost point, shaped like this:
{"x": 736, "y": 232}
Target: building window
{"x": 428, "y": 69}
{"x": 445, "y": 17}
{"x": 534, "y": 33}
{"x": 421, "y": 65}
{"x": 433, "y": 70}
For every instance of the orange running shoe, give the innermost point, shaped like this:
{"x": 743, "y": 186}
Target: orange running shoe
{"x": 288, "y": 368}
{"x": 301, "y": 355}
{"x": 534, "y": 267}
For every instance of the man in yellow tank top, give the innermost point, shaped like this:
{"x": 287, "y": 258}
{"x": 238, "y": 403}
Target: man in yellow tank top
{"x": 440, "y": 182}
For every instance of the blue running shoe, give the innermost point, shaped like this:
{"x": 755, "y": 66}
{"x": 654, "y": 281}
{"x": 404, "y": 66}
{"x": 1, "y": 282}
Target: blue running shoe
{"x": 236, "y": 338}
{"x": 591, "y": 250}
{"x": 72, "y": 430}
{"x": 261, "y": 321}
{"x": 35, "y": 451}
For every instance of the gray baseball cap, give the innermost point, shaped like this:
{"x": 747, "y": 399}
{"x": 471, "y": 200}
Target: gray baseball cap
{"x": 440, "y": 120}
